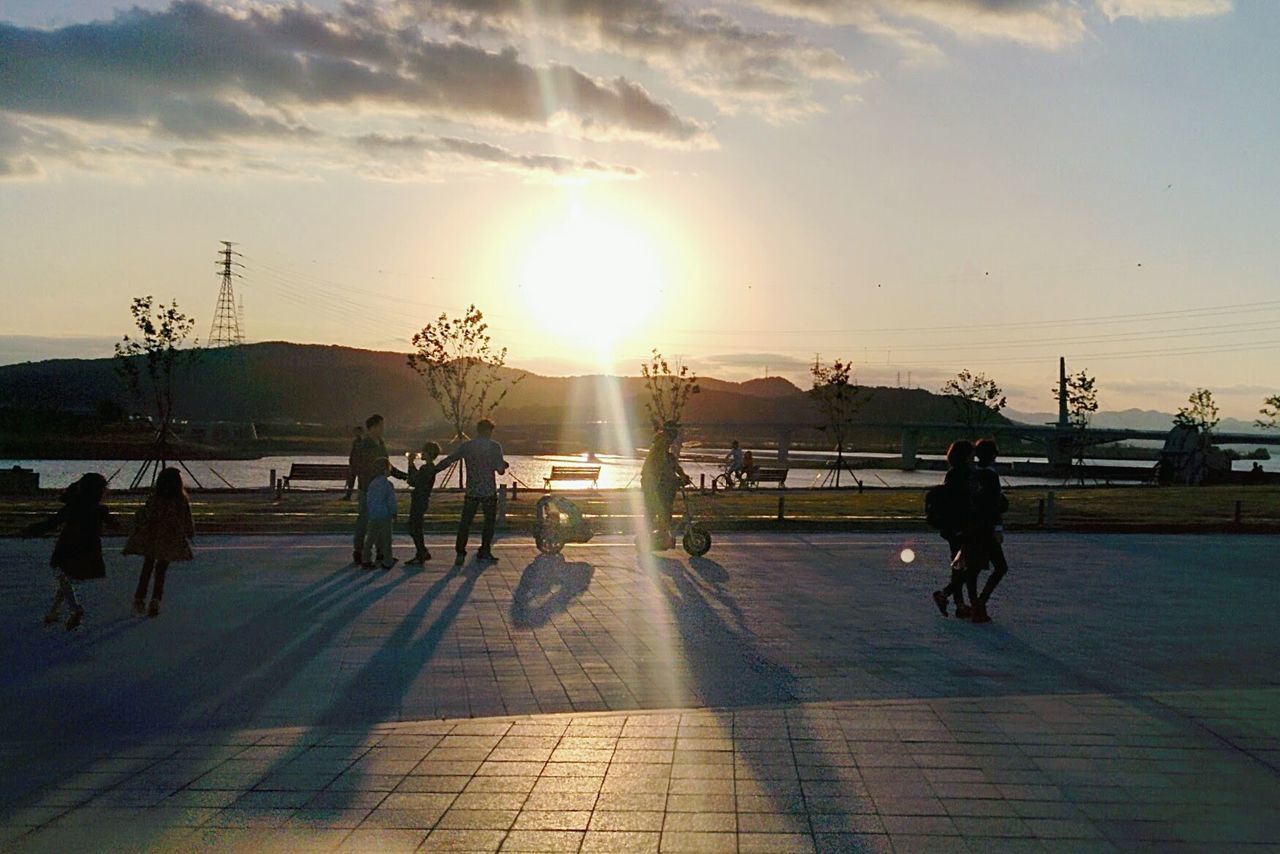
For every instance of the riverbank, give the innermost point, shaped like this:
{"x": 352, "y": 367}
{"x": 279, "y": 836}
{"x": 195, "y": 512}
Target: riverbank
{"x": 1118, "y": 509}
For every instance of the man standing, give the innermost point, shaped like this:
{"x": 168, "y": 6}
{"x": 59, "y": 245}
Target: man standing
{"x": 364, "y": 459}
{"x": 483, "y": 459}
{"x": 351, "y": 462}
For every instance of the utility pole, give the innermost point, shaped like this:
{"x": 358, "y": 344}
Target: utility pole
{"x": 226, "y": 330}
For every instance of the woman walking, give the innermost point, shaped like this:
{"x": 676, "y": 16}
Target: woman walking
{"x": 162, "y": 534}
{"x": 77, "y": 556}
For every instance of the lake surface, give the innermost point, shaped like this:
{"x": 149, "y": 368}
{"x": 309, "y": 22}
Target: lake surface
{"x": 615, "y": 472}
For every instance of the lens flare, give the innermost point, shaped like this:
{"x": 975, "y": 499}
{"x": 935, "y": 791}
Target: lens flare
{"x": 908, "y": 555}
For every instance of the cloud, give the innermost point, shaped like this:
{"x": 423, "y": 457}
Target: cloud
{"x": 1048, "y": 24}
{"x": 1150, "y": 10}
{"x": 705, "y": 51}
{"x": 199, "y": 73}
{"x": 411, "y": 155}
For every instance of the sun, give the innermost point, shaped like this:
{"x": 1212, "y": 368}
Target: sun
{"x": 591, "y": 280}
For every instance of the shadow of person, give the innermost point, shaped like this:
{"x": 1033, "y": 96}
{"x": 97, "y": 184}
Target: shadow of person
{"x": 709, "y": 569}
{"x": 546, "y": 588}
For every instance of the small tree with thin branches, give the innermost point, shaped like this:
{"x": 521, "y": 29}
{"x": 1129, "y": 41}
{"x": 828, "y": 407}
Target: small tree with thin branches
{"x": 463, "y": 372}
{"x": 1200, "y": 412}
{"x": 977, "y": 399}
{"x": 838, "y": 397}
{"x": 149, "y": 362}
{"x": 669, "y": 390}
{"x": 1270, "y": 413}
{"x": 1082, "y": 402}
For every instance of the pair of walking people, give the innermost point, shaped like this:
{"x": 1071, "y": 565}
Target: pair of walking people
{"x": 969, "y": 510}
{"x": 162, "y": 534}
{"x": 378, "y": 507}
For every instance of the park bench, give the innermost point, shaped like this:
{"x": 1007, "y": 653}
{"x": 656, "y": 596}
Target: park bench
{"x": 572, "y": 473}
{"x": 317, "y": 472}
{"x": 763, "y": 475}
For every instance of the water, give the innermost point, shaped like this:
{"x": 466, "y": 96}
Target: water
{"x": 615, "y": 472}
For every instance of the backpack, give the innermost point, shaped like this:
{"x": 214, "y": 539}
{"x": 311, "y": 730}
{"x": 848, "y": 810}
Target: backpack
{"x": 939, "y": 509}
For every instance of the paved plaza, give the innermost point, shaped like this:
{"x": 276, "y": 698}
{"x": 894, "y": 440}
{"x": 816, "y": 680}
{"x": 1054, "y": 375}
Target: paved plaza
{"x": 786, "y": 693}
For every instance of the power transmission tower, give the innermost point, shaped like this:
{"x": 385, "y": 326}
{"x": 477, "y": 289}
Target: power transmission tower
{"x": 226, "y": 330}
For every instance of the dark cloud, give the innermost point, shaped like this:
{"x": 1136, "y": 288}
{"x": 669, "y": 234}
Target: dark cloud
{"x": 705, "y": 51}
{"x": 202, "y": 72}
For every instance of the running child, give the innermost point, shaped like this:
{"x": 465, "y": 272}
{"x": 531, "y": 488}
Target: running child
{"x": 77, "y": 556}
{"x": 162, "y": 534}
{"x": 422, "y": 479}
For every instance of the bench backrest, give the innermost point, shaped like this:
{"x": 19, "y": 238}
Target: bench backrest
{"x": 318, "y": 471}
{"x": 770, "y": 475}
{"x": 574, "y": 473}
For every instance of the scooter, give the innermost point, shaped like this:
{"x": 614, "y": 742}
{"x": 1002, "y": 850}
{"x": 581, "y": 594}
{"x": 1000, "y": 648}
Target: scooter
{"x": 557, "y": 521}
{"x": 693, "y": 535}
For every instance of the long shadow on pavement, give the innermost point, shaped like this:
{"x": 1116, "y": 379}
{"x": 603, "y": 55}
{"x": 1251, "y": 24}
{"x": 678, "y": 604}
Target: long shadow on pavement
{"x": 547, "y": 587}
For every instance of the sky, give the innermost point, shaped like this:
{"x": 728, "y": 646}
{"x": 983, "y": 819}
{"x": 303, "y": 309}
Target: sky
{"x": 920, "y": 186}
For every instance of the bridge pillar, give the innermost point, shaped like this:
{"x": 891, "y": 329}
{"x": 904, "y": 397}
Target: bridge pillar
{"x": 1058, "y": 450}
{"x": 910, "y": 442}
{"x": 784, "y": 448}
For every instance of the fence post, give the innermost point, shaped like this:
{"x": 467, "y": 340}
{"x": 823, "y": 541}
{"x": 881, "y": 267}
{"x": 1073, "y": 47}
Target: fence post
{"x": 514, "y": 490}
{"x": 702, "y": 482}
{"x": 502, "y": 504}
{"x": 271, "y": 484}
{"x": 1050, "y": 511}
{"x": 1239, "y": 510}
{"x": 782, "y": 506}
{"x": 279, "y": 489}
{"x": 1040, "y": 513}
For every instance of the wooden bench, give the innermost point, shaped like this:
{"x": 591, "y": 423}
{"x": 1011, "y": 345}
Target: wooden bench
{"x": 317, "y": 472}
{"x": 572, "y": 473}
{"x": 763, "y": 475}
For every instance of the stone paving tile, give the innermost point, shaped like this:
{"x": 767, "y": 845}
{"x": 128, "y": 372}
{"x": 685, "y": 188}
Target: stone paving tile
{"x": 1072, "y": 731}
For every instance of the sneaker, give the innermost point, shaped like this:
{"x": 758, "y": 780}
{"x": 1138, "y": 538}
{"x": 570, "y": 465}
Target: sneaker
{"x": 51, "y": 618}
{"x": 460, "y": 559}
{"x": 416, "y": 560}
{"x": 387, "y": 564}
{"x": 139, "y": 607}
{"x": 153, "y": 610}
{"x": 487, "y": 556}
{"x": 940, "y": 599}
{"x": 426, "y": 556}
{"x": 963, "y": 611}
{"x": 980, "y": 614}
{"x": 74, "y": 620}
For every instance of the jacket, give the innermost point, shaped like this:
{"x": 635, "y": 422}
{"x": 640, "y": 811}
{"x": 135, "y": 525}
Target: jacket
{"x": 78, "y": 551}
{"x": 380, "y": 496}
{"x": 163, "y": 530}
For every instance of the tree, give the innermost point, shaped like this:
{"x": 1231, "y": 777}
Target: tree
{"x": 1200, "y": 412}
{"x": 1082, "y": 402}
{"x": 463, "y": 372}
{"x": 1270, "y": 413}
{"x": 977, "y": 398}
{"x": 838, "y": 397}
{"x": 669, "y": 391}
{"x": 149, "y": 362}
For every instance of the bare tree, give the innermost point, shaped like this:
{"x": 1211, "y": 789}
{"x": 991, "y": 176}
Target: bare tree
{"x": 463, "y": 372}
{"x": 1200, "y": 412}
{"x": 977, "y": 398}
{"x": 838, "y": 397}
{"x": 1082, "y": 402}
{"x": 149, "y": 361}
{"x": 669, "y": 391}
{"x": 1270, "y": 413}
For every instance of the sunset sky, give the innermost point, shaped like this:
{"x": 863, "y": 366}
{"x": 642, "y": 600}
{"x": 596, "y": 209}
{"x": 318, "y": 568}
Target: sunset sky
{"x": 920, "y": 185}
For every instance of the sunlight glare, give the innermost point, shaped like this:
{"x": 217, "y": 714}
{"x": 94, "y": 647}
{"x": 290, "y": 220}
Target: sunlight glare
{"x": 591, "y": 279}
